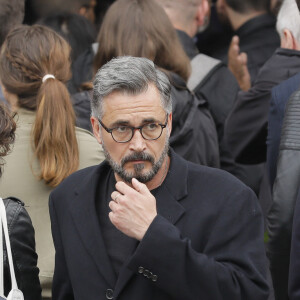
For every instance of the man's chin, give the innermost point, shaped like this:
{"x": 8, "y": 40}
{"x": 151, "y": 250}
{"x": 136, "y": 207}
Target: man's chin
{"x": 143, "y": 176}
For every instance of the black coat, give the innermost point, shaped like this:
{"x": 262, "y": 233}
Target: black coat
{"x": 205, "y": 243}
{"x": 285, "y": 190}
{"x": 218, "y": 87}
{"x": 246, "y": 126}
{"x": 259, "y": 39}
{"x": 194, "y": 134}
{"x": 294, "y": 274}
{"x": 21, "y": 234}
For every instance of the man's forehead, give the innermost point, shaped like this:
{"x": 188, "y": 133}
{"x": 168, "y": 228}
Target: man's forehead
{"x": 125, "y": 103}
{"x": 149, "y": 93}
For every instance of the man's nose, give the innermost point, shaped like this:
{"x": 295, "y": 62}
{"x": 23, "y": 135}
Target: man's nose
{"x": 137, "y": 142}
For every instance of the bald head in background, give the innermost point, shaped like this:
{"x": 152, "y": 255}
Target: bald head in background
{"x": 186, "y": 15}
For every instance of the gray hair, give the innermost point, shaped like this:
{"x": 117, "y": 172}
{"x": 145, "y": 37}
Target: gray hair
{"x": 130, "y": 75}
{"x": 289, "y": 18}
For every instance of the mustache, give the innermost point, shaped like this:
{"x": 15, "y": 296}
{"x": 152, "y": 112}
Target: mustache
{"x": 137, "y": 156}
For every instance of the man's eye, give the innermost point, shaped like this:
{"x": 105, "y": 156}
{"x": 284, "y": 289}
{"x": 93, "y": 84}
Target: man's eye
{"x": 121, "y": 129}
{"x": 151, "y": 126}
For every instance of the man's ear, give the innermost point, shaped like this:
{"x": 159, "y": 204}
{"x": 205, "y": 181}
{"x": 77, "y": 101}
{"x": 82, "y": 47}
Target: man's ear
{"x": 96, "y": 129}
{"x": 288, "y": 41}
{"x": 169, "y": 125}
{"x": 202, "y": 12}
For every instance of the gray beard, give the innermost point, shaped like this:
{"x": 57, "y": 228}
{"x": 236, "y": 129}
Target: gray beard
{"x": 138, "y": 168}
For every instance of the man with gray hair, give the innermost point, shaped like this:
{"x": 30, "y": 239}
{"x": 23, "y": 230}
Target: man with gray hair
{"x": 146, "y": 224}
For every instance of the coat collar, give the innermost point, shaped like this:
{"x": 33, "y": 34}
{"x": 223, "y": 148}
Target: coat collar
{"x": 255, "y": 24}
{"x": 83, "y": 210}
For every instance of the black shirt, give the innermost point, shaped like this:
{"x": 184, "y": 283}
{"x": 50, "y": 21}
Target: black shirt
{"x": 118, "y": 245}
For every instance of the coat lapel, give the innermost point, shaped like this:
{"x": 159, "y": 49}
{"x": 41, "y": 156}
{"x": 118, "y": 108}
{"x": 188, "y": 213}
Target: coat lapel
{"x": 83, "y": 211}
{"x": 171, "y": 191}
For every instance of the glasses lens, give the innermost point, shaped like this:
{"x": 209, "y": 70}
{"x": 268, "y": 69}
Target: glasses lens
{"x": 122, "y": 133}
{"x": 151, "y": 131}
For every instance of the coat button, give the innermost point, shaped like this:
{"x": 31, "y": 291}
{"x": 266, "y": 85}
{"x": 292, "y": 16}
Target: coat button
{"x": 147, "y": 273}
{"x": 141, "y": 270}
{"x": 109, "y": 294}
{"x": 154, "y": 278}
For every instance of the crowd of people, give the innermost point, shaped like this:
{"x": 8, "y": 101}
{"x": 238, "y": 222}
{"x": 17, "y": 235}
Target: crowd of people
{"x": 141, "y": 160}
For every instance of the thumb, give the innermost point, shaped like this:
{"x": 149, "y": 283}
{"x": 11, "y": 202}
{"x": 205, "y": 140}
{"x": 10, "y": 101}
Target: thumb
{"x": 139, "y": 187}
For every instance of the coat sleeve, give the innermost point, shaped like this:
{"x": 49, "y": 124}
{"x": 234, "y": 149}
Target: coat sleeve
{"x": 22, "y": 241}
{"x": 231, "y": 266}
{"x": 285, "y": 189}
{"x": 61, "y": 286}
{"x": 245, "y": 129}
{"x": 294, "y": 275}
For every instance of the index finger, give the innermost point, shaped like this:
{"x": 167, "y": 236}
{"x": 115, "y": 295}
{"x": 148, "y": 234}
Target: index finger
{"x": 124, "y": 188}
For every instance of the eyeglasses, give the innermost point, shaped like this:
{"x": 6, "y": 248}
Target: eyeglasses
{"x": 123, "y": 134}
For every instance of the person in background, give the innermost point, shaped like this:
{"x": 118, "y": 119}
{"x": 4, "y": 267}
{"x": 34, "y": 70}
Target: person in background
{"x": 86, "y": 8}
{"x": 34, "y": 67}
{"x": 78, "y": 31}
{"x": 21, "y": 232}
{"x": 188, "y": 17}
{"x": 283, "y": 247}
{"x": 11, "y": 15}
{"x": 246, "y": 126}
{"x": 256, "y": 36}
{"x": 216, "y": 34}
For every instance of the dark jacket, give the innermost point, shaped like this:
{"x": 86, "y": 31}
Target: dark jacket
{"x": 294, "y": 274}
{"x": 194, "y": 134}
{"x": 22, "y": 241}
{"x": 82, "y": 70}
{"x": 259, "y": 39}
{"x": 210, "y": 80}
{"x": 246, "y": 126}
{"x": 82, "y": 106}
{"x": 205, "y": 243}
{"x": 285, "y": 190}
{"x": 279, "y": 99}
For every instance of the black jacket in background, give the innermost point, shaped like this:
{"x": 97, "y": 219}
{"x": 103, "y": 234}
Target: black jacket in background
{"x": 246, "y": 126}
{"x": 22, "y": 242}
{"x": 280, "y": 216}
{"x": 82, "y": 107}
{"x": 259, "y": 39}
{"x": 194, "y": 135}
{"x": 218, "y": 87}
{"x": 294, "y": 274}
